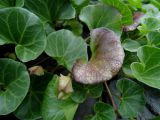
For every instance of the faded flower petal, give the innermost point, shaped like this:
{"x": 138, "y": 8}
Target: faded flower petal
{"x": 106, "y": 61}
{"x": 36, "y": 70}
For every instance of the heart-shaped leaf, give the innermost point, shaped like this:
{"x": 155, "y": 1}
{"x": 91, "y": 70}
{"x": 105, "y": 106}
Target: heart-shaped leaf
{"x": 148, "y": 69}
{"x": 54, "y": 108}
{"x": 103, "y": 112}
{"x": 51, "y": 10}
{"x": 123, "y": 8}
{"x": 25, "y": 30}
{"x": 131, "y": 98}
{"x": 10, "y": 3}
{"x": 100, "y": 15}
{"x": 66, "y": 47}
{"x": 30, "y": 108}
{"x": 14, "y": 85}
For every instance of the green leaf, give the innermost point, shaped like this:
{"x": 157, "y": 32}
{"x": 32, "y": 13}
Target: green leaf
{"x": 14, "y": 85}
{"x": 81, "y": 92}
{"x": 99, "y": 15}
{"x": 10, "y": 3}
{"x": 148, "y": 25}
{"x": 30, "y": 108}
{"x": 48, "y": 28}
{"x": 123, "y": 8}
{"x": 74, "y": 26}
{"x": 156, "y": 118}
{"x": 135, "y": 3}
{"x": 78, "y": 4}
{"x": 153, "y": 38}
{"x": 151, "y": 9}
{"x": 95, "y": 91}
{"x": 131, "y": 99}
{"x": 66, "y": 48}
{"x": 131, "y": 45}
{"x": 54, "y": 108}
{"x": 19, "y": 3}
{"x": 51, "y": 10}
{"x": 155, "y": 3}
{"x": 103, "y": 112}
{"x": 129, "y": 58}
{"x": 25, "y": 30}
{"x": 148, "y": 69}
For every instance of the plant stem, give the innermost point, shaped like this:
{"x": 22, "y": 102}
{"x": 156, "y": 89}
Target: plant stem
{"x": 111, "y": 99}
{"x": 42, "y": 61}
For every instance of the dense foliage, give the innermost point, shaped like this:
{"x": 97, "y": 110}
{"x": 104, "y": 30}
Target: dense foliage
{"x": 42, "y": 40}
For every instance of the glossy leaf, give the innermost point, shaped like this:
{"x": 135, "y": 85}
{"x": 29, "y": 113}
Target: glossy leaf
{"x": 135, "y": 3}
{"x": 156, "y": 3}
{"x": 100, "y": 15}
{"x": 131, "y": 45}
{"x": 129, "y": 59}
{"x": 124, "y": 10}
{"x": 66, "y": 48}
{"x": 131, "y": 98}
{"x": 103, "y": 112}
{"x": 54, "y": 108}
{"x": 81, "y": 92}
{"x": 51, "y": 10}
{"x": 14, "y": 85}
{"x": 10, "y": 3}
{"x": 25, "y": 30}
{"x": 78, "y": 4}
{"x": 74, "y": 26}
{"x": 148, "y": 25}
{"x": 153, "y": 38}
{"x": 148, "y": 69}
{"x": 30, "y": 108}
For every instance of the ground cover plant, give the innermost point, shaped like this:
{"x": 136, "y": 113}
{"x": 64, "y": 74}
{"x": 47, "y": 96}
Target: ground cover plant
{"x": 79, "y": 59}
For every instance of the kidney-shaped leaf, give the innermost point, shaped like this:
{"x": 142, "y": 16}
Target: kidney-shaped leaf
{"x": 148, "y": 69}
{"x": 25, "y": 30}
{"x": 51, "y": 10}
{"x": 99, "y": 15}
{"x": 125, "y": 11}
{"x": 103, "y": 112}
{"x": 54, "y": 108}
{"x": 66, "y": 47}
{"x": 14, "y": 85}
{"x": 131, "y": 98}
{"x": 10, "y": 3}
